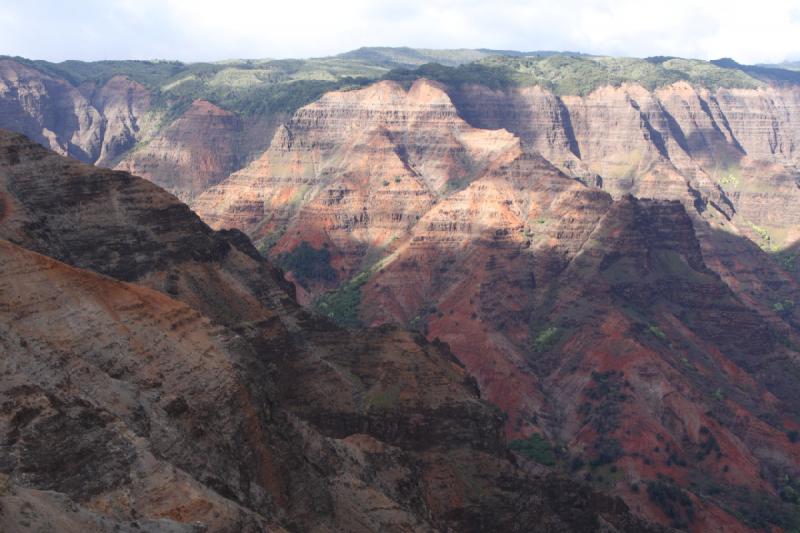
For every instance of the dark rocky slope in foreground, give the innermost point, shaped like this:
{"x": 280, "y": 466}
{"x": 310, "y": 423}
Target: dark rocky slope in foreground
{"x": 159, "y": 376}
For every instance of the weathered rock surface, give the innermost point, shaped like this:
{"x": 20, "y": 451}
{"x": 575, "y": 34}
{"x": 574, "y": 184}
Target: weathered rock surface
{"x": 172, "y": 383}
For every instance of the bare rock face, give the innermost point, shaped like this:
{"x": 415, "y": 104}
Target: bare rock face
{"x": 172, "y": 383}
{"x": 50, "y": 111}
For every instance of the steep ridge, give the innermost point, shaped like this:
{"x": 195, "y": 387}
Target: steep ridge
{"x": 596, "y": 323}
{"x": 215, "y": 401}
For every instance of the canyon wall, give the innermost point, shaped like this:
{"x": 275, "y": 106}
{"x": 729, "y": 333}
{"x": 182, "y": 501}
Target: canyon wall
{"x": 637, "y": 334}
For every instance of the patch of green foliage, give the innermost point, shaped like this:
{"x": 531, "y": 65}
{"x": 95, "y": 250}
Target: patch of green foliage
{"x": 789, "y": 261}
{"x": 673, "y": 500}
{"x": 783, "y": 308}
{"x": 602, "y": 410}
{"x": 383, "y": 399}
{"x": 393, "y": 57}
{"x": 580, "y": 75}
{"x": 762, "y": 511}
{"x": 656, "y": 332}
{"x": 536, "y": 448}
{"x": 606, "y": 451}
{"x": 546, "y": 339}
{"x": 308, "y": 263}
{"x": 729, "y": 179}
{"x": 764, "y": 236}
{"x": 708, "y": 445}
{"x": 342, "y": 305}
{"x": 284, "y": 97}
{"x": 265, "y": 244}
{"x": 246, "y": 87}
{"x": 148, "y": 73}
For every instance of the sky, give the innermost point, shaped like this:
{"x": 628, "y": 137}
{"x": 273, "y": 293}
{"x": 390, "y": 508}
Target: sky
{"x": 762, "y": 31}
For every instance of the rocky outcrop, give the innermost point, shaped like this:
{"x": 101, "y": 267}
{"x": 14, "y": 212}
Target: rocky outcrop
{"x": 180, "y": 387}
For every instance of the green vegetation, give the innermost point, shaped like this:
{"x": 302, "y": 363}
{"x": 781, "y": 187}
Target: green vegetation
{"x": 246, "y": 87}
{"x": 764, "y": 236}
{"x": 656, "y": 332}
{"x": 783, "y": 308}
{"x": 607, "y": 451}
{"x": 762, "y": 511}
{"x": 708, "y": 445}
{"x": 383, "y": 399}
{"x": 675, "y": 503}
{"x": 789, "y": 261}
{"x": 580, "y": 75}
{"x": 308, "y": 264}
{"x": 266, "y": 87}
{"x": 602, "y": 411}
{"x": 407, "y": 57}
{"x": 342, "y": 305}
{"x": 546, "y": 339}
{"x": 729, "y": 179}
{"x": 535, "y": 448}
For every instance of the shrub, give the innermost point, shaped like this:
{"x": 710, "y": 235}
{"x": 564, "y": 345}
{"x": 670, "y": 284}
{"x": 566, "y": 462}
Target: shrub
{"x": 546, "y": 339}
{"x": 342, "y": 305}
{"x": 656, "y": 332}
{"x": 675, "y": 503}
{"x": 535, "y": 448}
{"x": 308, "y": 263}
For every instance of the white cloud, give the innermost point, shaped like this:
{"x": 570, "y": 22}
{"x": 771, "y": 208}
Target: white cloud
{"x": 748, "y": 31}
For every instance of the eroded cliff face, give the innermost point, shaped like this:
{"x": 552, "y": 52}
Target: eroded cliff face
{"x": 160, "y": 376}
{"x": 94, "y": 124}
{"x": 203, "y": 146}
{"x": 655, "y": 340}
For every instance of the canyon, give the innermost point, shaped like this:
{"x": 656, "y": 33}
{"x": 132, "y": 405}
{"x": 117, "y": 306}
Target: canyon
{"x": 614, "y": 265}
{"x": 160, "y": 376}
